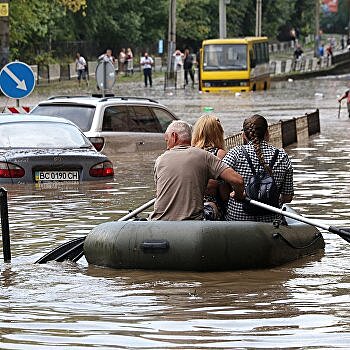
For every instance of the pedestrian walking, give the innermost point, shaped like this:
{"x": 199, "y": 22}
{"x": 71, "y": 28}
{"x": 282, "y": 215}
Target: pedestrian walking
{"x": 81, "y": 68}
{"x": 146, "y": 63}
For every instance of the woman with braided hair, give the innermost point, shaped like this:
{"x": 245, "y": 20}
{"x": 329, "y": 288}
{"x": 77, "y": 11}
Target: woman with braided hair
{"x": 261, "y": 153}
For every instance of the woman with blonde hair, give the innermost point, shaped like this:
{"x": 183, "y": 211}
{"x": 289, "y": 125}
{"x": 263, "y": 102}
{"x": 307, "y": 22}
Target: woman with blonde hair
{"x": 208, "y": 134}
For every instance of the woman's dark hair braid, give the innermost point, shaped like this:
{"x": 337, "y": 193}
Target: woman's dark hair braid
{"x": 255, "y": 129}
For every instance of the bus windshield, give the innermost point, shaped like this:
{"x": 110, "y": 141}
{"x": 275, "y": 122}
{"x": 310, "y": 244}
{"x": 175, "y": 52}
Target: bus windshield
{"x": 225, "y": 57}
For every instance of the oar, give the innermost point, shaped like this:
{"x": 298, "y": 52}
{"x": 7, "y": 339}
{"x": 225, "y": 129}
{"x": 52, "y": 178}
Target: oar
{"x": 340, "y": 232}
{"x": 339, "y": 110}
{"x": 74, "y": 249}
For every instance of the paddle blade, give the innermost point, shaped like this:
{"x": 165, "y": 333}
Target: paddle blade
{"x": 72, "y": 250}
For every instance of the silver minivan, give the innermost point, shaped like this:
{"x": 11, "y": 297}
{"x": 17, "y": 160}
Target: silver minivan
{"x": 113, "y": 123}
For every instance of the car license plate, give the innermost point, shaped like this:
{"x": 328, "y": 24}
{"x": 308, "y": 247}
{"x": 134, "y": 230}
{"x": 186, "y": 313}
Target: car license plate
{"x": 45, "y": 176}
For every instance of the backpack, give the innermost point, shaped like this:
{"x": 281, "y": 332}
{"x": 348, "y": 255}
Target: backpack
{"x": 261, "y": 187}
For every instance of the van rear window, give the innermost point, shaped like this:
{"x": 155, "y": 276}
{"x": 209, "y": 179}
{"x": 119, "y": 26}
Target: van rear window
{"x": 81, "y": 116}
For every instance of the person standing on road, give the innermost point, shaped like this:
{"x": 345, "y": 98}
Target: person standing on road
{"x": 181, "y": 175}
{"x": 81, "y": 68}
{"x": 188, "y": 67}
{"x": 298, "y": 53}
{"x": 107, "y": 56}
{"x": 129, "y": 66}
{"x": 178, "y": 60}
{"x": 146, "y": 63}
{"x": 347, "y": 96}
{"x": 122, "y": 61}
{"x": 321, "y": 50}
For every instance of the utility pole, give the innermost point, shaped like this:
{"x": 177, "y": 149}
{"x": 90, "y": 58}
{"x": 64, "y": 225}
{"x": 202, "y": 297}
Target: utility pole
{"x": 258, "y": 17}
{"x": 317, "y": 28}
{"x": 222, "y": 19}
{"x": 171, "y": 35}
{"x": 4, "y": 33}
{"x": 348, "y": 21}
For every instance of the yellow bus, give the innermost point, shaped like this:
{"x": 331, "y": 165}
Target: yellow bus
{"x": 236, "y": 65}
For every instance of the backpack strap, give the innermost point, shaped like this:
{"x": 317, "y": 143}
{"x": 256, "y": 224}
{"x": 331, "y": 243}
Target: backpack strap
{"x": 271, "y": 164}
{"x": 249, "y": 160}
{"x": 274, "y": 158}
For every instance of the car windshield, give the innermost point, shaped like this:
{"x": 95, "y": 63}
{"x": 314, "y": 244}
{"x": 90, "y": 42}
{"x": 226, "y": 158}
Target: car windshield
{"x": 225, "y": 57}
{"x": 81, "y": 116}
{"x": 41, "y": 135}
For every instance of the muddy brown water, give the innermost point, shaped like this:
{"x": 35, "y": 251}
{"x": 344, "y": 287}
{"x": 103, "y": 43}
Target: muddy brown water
{"x": 75, "y": 306}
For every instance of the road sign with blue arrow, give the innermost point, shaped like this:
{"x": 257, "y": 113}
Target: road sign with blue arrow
{"x": 17, "y": 80}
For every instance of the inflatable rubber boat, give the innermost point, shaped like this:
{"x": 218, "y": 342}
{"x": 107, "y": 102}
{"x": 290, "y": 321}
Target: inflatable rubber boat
{"x": 200, "y": 245}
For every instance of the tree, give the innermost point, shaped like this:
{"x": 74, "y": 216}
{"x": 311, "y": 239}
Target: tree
{"x": 41, "y": 30}
{"x": 74, "y": 5}
{"x": 31, "y": 23}
{"x": 193, "y": 23}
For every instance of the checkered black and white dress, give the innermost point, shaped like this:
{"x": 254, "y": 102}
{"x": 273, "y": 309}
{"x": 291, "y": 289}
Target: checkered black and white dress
{"x": 282, "y": 173}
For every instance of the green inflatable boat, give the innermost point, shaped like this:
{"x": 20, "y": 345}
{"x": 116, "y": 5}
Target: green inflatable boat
{"x": 200, "y": 245}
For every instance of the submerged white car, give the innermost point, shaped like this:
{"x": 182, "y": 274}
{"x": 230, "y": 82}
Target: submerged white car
{"x": 113, "y": 123}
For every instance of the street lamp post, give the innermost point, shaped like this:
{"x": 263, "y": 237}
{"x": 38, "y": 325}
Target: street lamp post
{"x": 317, "y": 28}
{"x": 222, "y": 19}
{"x": 171, "y": 35}
{"x": 258, "y": 18}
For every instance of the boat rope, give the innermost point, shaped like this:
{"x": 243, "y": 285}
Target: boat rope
{"x": 317, "y": 237}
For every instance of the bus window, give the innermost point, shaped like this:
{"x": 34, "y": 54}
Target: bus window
{"x": 258, "y": 51}
{"x": 252, "y": 58}
{"x": 225, "y": 57}
{"x": 266, "y": 49}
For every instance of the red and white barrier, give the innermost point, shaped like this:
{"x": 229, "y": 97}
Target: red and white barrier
{"x": 17, "y": 109}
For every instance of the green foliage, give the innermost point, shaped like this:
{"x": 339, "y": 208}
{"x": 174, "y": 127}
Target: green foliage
{"x": 193, "y": 23}
{"x": 44, "y": 58}
{"x": 38, "y": 26}
{"x": 74, "y": 5}
{"x": 32, "y": 22}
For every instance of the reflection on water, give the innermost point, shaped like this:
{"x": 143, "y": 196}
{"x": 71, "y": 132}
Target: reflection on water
{"x": 76, "y": 306}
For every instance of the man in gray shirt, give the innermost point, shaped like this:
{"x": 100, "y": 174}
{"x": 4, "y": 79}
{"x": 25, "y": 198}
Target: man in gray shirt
{"x": 182, "y": 173}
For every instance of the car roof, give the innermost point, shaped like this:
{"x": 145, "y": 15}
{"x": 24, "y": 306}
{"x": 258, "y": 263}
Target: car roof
{"x": 14, "y": 118}
{"x": 96, "y": 99}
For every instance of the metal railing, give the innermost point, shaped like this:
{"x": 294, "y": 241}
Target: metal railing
{"x": 285, "y": 132}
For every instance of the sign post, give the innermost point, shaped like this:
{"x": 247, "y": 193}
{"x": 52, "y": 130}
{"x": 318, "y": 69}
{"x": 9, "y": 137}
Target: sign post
{"x": 4, "y": 33}
{"x": 17, "y": 80}
{"x": 105, "y": 76}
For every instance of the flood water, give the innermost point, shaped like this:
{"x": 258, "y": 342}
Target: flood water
{"x": 75, "y": 306}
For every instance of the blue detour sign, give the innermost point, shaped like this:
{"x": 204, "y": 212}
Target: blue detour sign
{"x": 17, "y": 80}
